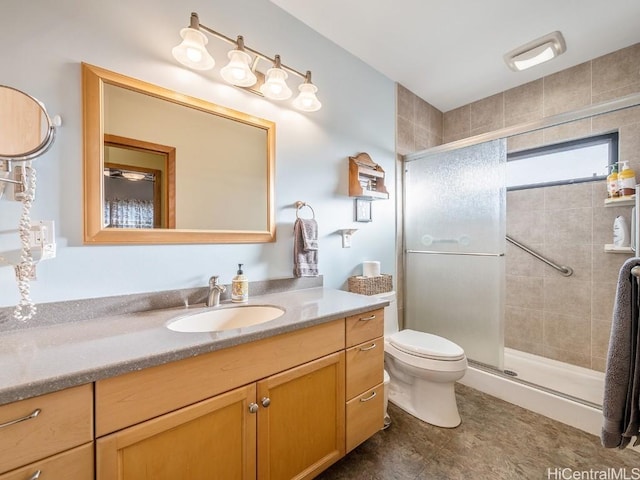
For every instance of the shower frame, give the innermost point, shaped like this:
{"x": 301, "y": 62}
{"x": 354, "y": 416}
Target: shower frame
{"x": 602, "y": 108}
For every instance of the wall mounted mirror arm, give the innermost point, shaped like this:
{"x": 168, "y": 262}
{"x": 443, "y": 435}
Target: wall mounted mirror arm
{"x": 27, "y": 133}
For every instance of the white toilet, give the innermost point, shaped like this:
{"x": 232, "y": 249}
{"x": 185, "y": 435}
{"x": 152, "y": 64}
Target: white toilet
{"x": 423, "y": 369}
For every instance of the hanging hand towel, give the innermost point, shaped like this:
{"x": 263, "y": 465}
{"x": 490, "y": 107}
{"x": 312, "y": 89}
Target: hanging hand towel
{"x": 622, "y": 375}
{"x": 305, "y": 248}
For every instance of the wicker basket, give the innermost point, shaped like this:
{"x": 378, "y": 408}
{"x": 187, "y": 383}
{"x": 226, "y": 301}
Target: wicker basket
{"x": 371, "y": 285}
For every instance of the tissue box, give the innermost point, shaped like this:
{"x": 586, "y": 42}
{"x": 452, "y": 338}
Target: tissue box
{"x": 371, "y": 285}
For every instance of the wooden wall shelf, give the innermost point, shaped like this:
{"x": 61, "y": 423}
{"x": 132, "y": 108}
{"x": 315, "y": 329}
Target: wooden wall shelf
{"x": 366, "y": 178}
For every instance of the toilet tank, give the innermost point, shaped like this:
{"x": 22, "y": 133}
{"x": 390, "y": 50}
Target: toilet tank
{"x": 390, "y": 313}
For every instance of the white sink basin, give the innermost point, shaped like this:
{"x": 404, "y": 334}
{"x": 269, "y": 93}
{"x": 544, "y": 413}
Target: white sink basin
{"x": 225, "y": 318}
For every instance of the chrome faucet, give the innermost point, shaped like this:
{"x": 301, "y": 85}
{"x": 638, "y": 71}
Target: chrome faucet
{"x": 213, "y": 299}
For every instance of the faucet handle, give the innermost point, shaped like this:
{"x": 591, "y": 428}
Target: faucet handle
{"x": 213, "y": 281}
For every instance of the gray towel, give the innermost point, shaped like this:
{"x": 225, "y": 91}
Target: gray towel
{"x": 305, "y": 247}
{"x": 620, "y": 407}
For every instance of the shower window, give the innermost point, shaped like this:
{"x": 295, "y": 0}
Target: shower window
{"x": 583, "y": 160}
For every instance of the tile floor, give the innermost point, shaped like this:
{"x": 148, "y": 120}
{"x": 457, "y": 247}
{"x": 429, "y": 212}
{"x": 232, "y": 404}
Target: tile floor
{"x": 496, "y": 440}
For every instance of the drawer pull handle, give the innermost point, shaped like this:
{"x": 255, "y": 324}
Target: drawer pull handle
{"x": 370, "y": 347}
{"x": 33, "y": 414}
{"x": 366, "y": 319}
{"x": 370, "y": 397}
{"x": 35, "y": 476}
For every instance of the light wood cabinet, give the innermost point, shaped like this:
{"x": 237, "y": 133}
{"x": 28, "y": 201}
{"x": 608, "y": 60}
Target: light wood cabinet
{"x": 365, "y": 376}
{"x": 286, "y": 407}
{"x": 287, "y": 421}
{"x": 301, "y": 431}
{"x": 215, "y": 438}
{"x": 36, "y": 428}
{"x": 291, "y": 423}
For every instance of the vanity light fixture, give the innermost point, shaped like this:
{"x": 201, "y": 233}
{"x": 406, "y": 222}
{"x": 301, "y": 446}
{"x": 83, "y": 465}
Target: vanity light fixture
{"x": 536, "y": 52}
{"x": 134, "y": 176}
{"x": 241, "y": 69}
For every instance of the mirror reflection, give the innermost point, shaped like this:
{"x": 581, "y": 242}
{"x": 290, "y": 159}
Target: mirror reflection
{"x": 190, "y": 171}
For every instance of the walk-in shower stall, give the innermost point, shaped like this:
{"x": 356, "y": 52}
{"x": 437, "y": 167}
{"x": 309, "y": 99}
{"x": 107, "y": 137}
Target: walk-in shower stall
{"x": 521, "y": 277}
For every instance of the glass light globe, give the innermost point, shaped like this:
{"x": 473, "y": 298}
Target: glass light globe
{"x": 237, "y": 71}
{"x": 275, "y": 86}
{"x": 192, "y": 52}
{"x": 306, "y": 99}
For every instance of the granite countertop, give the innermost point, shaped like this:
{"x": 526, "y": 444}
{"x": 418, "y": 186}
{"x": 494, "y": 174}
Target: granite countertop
{"x": 40, "y": 360}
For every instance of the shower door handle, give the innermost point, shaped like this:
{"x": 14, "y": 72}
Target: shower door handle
{"x": 472, "y": 254}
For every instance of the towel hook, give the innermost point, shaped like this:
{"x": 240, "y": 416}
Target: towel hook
{"x": 300, "y": 205}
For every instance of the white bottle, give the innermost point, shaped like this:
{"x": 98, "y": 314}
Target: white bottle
{"x": 621, "y": 236}
{"x": 239, "y": 287}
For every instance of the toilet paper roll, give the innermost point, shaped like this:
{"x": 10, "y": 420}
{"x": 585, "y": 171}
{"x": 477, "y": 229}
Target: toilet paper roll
{"x": 370, "y": 269}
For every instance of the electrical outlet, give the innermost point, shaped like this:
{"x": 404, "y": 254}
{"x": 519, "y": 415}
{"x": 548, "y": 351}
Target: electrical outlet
{"x": 43, "y": 236}
{"x": 19, "y": 175}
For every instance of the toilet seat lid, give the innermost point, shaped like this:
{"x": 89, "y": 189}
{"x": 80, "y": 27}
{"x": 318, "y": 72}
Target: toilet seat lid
{"x": 426, "y": 345}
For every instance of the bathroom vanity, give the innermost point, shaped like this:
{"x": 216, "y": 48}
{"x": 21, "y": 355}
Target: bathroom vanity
{"x": 280, "y": 400}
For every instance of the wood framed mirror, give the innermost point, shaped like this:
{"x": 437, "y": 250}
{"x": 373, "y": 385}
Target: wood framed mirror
{"x": 162, "y": 167}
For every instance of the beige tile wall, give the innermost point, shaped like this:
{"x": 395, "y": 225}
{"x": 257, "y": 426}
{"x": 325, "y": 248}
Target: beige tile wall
{"x": 564, "y": 318}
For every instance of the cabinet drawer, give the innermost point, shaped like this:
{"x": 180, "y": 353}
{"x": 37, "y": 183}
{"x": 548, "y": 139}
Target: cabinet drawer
{"x": 64, "y": 420}
{"x": 138, "y": 396}
{"x": 75, "y": 464}
{"x": 365, "y": 366}
{"x": 365, "y": 416}
{"x": 364, "y": 326}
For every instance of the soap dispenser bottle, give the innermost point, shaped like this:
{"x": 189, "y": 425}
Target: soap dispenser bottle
{"x": 239, "y": 287}
{"x": 612, "y": 181}
{"x": 626, "y": 180}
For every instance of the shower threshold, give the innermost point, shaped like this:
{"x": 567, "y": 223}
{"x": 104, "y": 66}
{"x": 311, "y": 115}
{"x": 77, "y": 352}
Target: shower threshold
{"x": 570, "y": 382}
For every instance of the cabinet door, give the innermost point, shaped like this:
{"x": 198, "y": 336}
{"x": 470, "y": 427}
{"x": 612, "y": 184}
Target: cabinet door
{"x": 214, "y": 438}
{"x": 302, "y": 430}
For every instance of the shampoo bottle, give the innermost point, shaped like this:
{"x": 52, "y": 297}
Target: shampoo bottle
{"x": 626, "y": 180}
{"x": 612, "y": 181}
{"x": 239, "y": 287}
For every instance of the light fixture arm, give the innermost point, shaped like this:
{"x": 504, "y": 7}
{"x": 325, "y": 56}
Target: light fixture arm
{"x": 196, "y": 25}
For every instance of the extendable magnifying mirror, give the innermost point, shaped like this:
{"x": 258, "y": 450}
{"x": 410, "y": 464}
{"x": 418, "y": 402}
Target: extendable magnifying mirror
{"x": 26, "y": 130}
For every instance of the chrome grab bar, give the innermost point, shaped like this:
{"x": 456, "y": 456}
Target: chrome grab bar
{"x": 564, "y": 270}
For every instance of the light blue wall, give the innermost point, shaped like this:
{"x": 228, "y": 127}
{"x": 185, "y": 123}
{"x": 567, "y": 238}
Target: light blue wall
{"x": 41, "y": 46}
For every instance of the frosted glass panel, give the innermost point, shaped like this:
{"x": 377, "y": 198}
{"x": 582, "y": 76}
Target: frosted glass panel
{"x": 455, "y": 239}
{"x": 459, "y": 298}
{"x": 454, "y": 201}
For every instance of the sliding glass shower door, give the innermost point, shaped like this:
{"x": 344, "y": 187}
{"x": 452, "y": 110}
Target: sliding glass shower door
{"x": 454, "y": 230}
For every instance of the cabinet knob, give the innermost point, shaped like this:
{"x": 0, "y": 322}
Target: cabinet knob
{"x": 266, "y": 401}
{"x": 253, "y": 407}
